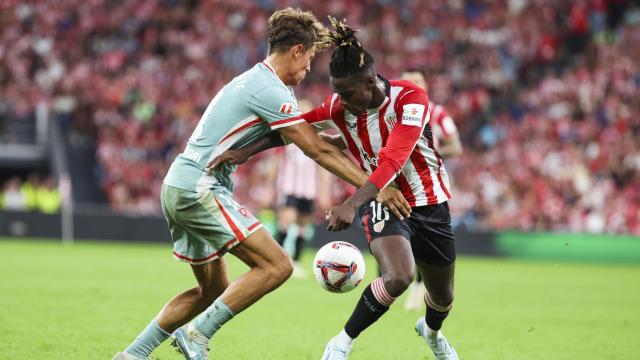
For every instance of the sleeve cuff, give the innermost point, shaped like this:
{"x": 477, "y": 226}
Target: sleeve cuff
{"x": 383, "y": 176}
{"x": 286, "y": 122}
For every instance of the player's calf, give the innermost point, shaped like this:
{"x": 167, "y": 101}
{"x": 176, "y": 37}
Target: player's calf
{"x": 374, "y": 302}
{"x": 437, "y": 311}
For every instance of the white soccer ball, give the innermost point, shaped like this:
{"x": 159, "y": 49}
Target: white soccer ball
{"x": 338, "y": 267}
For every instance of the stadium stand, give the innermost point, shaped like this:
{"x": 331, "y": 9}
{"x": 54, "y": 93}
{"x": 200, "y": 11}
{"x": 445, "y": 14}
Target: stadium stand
{"x": 542, "y": 92}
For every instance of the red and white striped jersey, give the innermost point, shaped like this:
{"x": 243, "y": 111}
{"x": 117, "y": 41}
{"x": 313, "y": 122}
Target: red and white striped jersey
{"x": 393, "y": 142}
{"x": 297, "y": 174}
{"x": 442, "y": 123}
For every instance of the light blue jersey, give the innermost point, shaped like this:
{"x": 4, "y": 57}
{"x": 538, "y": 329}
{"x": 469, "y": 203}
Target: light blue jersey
{"x": 247, "y": 108}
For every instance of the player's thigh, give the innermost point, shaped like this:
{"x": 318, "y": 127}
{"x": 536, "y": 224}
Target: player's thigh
{"x": 260, "y": 249}
{"x": 393, "y": 254}
{"x": 433, "y": 240}
{"x": 304, "y": 220}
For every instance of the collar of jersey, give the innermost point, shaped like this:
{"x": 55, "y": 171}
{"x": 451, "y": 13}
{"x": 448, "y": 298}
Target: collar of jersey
{"x": 266, "y": 64}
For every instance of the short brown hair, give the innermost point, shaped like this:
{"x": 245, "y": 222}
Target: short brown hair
{"x": 289, "y": 27}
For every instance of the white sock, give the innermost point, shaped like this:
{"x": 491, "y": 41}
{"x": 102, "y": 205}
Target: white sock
{"x": 344, "y": 339}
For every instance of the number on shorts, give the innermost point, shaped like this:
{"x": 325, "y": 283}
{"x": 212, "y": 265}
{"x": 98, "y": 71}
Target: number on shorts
{"x": 378, "y": 212}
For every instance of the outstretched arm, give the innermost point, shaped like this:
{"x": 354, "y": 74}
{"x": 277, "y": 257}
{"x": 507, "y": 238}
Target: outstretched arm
{"x": 239, "y": 156}
{"x": 335, "y": 140}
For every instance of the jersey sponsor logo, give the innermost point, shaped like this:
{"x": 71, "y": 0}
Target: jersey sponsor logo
{"x": 412, "y": 114}
{"x": 351, "y": 125}
{"x": 286, "y": 108}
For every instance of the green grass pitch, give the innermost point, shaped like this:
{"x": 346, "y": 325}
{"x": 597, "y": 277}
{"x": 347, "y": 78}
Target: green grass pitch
{"x": 90, "y": 300}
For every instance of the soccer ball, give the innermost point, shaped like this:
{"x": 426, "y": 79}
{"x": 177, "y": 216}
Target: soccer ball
{"x": 338, "y": 267}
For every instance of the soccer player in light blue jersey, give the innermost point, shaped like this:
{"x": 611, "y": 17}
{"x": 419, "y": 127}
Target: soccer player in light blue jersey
{"x": 204, "y": 219}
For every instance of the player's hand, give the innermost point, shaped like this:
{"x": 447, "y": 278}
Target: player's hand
{"x": 340, "y": 217}
{"x": 231, "y": 157}
{"x": 392, "y": 198}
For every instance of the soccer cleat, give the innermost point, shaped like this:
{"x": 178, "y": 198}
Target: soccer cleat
{"x": 190, "y": 343}
{"x": 125, "y": 356}
{"x": 438, "y": 344}
{"x": 415, "y": 298}
{"x": 336, "y": 351}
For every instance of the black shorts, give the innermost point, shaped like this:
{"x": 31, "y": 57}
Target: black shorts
{"x": 304, "y": 206}
{"x": 428, "y": 229}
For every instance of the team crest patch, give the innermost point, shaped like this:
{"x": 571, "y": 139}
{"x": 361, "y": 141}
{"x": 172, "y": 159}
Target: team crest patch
{"x": 286, "y": 108}
{"x": 245, "y": 212}
{"x": 412, "y": 114}
{"x": 377, "y": 227}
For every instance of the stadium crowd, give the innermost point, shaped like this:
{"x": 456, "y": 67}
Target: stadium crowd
{"x": 33, "y": 194}
{"x": 542, "y": 91}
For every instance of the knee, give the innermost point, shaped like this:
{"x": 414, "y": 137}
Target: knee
{"x": 442, "y": 298}
{"x": 396, "y": 284}
{"x": 281, "y": 271}
{"x": 205, "y": 295}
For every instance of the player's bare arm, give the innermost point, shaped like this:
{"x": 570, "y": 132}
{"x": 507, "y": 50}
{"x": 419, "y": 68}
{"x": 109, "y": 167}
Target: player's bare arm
{"x": 335, "y": 140}
{"x": 240, "y": 156}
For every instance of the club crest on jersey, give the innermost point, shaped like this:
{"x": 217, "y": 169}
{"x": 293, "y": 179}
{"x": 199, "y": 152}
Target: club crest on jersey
{"x": 245, "y": 212}
{"x": 391, "y": 120}
{"x": 377, "y": 227}
{"x": 286, "y": 108}
{"x": 412, "y": 114}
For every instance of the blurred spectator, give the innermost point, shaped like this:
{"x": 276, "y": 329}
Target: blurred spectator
{"x": 31, "y": 195}
{"x": 544, "y": 93}
{"x": 12, "y": 197}
{"x": 30, "y": 190}
{"x": 48, "y": 197}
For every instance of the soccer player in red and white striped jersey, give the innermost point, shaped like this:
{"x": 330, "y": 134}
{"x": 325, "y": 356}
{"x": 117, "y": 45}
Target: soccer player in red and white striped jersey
{"x": 385, "y": 125}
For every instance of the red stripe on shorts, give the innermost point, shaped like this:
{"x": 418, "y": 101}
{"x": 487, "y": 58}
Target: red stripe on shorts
{"x": 254, "y": 226}
{"x": 234, "y": 227}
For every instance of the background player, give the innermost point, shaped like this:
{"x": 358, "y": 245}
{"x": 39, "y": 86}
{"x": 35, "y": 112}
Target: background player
{"x": 205, "y": 221}
{"x": 447, "y": 142}
{"x": 385, "y": 126}
{"x": 445, "y": 132}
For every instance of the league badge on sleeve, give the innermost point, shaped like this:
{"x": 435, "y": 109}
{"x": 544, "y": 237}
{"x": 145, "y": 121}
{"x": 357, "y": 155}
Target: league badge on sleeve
{"x": 286, "y": 108}
{"x": 412, "y": 114}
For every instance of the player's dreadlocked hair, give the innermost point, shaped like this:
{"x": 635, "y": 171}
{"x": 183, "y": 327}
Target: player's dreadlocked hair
{"x": 289, "y": 27}
{"x": 349, "y": 57}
